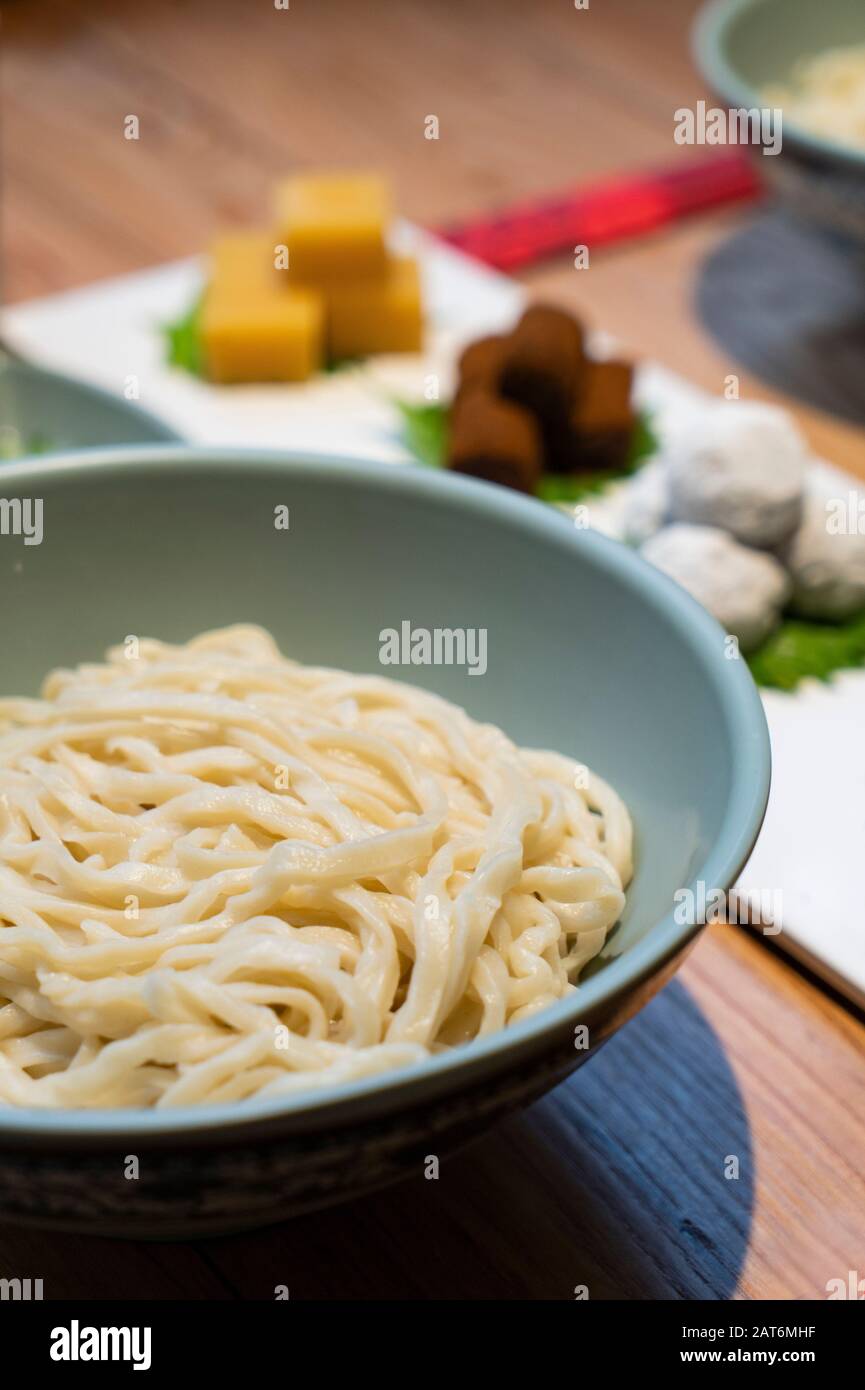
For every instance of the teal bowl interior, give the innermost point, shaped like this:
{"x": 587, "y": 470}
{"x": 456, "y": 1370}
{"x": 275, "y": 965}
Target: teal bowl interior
{"x": 50, "y": 413}
{"x": 590, "y": 651}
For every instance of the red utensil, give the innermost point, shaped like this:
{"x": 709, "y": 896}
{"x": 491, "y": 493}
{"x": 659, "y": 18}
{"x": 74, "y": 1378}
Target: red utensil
{"x": 599, "y": 214}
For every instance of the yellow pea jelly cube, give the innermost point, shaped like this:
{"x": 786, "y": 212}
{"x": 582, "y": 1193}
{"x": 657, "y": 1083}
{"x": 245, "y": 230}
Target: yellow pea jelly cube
{"x": 254, "y": 327}
{"x": 248, "y": 340}
{"x": 333, "y": 224}
{"x": 381, "y": 314}
{"x": 243, "y": 260}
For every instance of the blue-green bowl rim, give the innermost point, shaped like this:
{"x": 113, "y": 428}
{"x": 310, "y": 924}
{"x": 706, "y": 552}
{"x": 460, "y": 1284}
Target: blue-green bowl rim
{"x": 710, "y": 26}
{"x": 743, "y": 817}
{"x": 163, "y": 433}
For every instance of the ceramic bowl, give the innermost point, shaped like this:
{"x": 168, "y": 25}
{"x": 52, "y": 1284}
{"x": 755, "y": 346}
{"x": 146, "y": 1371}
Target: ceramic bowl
{"x": 42, "y": 412}
{"x": 743, "y": 46}
{"x": 589, "y": 651}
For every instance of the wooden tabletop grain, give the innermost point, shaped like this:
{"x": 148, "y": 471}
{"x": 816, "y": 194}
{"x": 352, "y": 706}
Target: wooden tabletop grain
{"x": 619, "y": 1180}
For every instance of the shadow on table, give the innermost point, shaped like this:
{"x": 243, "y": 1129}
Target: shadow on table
{"x": 616, "y": 1182}
{"x": 788, "y": 301}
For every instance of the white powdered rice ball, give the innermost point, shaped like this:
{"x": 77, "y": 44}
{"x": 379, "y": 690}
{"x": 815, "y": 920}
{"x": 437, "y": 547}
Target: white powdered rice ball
{"x": 743, "y": 589}
{"x": 740, "y": 466}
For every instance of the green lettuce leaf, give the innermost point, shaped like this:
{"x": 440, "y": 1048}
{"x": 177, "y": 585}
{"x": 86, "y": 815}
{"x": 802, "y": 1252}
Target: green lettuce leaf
{"x": 425, "y": 430}
{"x": 800, "y": 648}
{"x": 183, "y": 340}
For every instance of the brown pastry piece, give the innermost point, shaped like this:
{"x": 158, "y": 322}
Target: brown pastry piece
{"x": 603, "y": 421}
{"x": 559, "y": 447}
{"x": 542, "y": 365}
{"x": 494, "y": 439}
{"x": 605, "y": 400}
{"x": 479, "y": 365}
{"x": 603, "y": 451}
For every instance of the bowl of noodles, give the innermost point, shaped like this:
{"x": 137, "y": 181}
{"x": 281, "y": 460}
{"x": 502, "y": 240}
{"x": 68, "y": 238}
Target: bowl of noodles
{"x": 343, "y": 809}
{"x": 808, "y": 62}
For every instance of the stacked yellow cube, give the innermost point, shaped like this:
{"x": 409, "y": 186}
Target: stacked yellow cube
{"x": 322, "y": 286}
{"x": 252, "y": 328}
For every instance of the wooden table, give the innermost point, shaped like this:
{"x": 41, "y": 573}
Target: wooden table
{"x": 616, "y": 1180}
